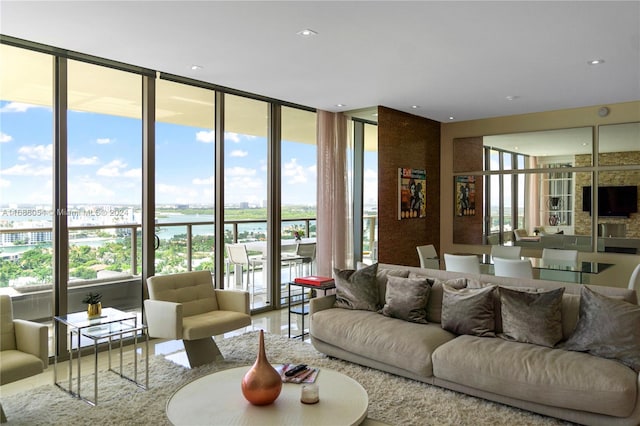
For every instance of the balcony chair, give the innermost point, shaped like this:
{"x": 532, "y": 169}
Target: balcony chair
{"x": 517, "y": 268}
{"x": 505, "y": 252}
{"x": 462, "y": 263}
{"x": 560, "y": 255}
{"x": 306, "y": 255}
{"x": 238, "y": 256}
{"x": 186, "y": 306}
{"x": 23, "y": 347}
{"x": 428, "y": 256}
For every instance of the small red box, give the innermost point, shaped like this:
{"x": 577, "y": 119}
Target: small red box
{"x": 313, "y": 280}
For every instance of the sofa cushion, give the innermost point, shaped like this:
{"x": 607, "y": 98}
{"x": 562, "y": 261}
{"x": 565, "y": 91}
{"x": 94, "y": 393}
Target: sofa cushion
{"x": 553, "y": 377}
{"x": 607, "y": 327}
{"x": 405, "y": 345}
{"x": 357, "y": 289}
{"x": 434, "y": 305}
{"x": 532, "y": 317}
{"x": 406, "y": 299}
{"x": 468, "y": 311}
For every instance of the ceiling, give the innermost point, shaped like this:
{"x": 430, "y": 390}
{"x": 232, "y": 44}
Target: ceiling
{"x": 454, "y": 58}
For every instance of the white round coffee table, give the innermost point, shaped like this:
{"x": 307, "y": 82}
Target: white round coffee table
{"x": 216, "y": 399}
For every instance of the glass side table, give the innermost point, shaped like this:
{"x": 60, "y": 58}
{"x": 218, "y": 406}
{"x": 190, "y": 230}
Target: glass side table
{"x": 112, "y": 323}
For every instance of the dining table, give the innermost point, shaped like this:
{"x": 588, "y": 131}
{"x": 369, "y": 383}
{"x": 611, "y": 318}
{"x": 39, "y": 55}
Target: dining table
{"x": 561, "y": 270}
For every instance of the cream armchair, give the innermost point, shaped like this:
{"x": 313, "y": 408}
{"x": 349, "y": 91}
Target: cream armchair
{"x": 186, "y": 306}
{"x": 23, "y": 347}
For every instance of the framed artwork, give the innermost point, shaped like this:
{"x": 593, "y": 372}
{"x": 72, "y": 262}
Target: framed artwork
{"x": 465, "y": 196}
{"x": 412, "y": 193}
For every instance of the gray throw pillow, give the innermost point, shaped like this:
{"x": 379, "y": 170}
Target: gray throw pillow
{"x": 434, "y": 305}
{"x": 406, "y": 299}
{"x": 468, "y": 311}
{"x": 382, "y": 275}
{"x": 532, "y": 317}
{"x": 357, "y": 289}
{"x": 608, "y": 328}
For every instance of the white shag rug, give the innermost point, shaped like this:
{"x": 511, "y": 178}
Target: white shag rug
{"x": 393, "y": 400}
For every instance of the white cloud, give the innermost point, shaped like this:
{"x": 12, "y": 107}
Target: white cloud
{"x": 371, "y": 174}
{"x": 294, "y": 173}
{"x": 84, "y": 187}
{"x": 36, "y": 152}
{"x": 239, "y": 153}
{"x": 164, "y": 188}
{"x": 231, "y": 136}
{"x": 206, "y": 137}
{"x": 133, "y": 173}
{"x": 4, "y": 183}
{"x": 239, "y": 171}
{"x": 112, "y": 169}
{"x": 103, "y": 141}
{"x": 84, "y": 161}
{"x": 177, "y": 193}
{"x": 206, "y": 181}
{"x": 4, "y": 138}
{"x": 17, "y": 107}
{"x": 27, "y": 170}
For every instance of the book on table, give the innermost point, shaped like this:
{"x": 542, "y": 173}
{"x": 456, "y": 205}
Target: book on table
{"x": 306, "y": 375}
{"x": 313, "y": 280}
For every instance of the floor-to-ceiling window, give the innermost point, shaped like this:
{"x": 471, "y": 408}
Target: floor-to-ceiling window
{"x": 246, "y": 195}
{"x": 89, "y": 137}
{"x": 104, "y": 184}
{"x": 26, "y": 155}
{"x": 370, "y": 194}
{"x": 184, "y": 178}
{"x": 298, "y": 188}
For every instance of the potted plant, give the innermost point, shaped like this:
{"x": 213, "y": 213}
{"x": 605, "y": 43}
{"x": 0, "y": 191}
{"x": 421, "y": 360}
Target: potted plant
{"x": 94, "y": 306}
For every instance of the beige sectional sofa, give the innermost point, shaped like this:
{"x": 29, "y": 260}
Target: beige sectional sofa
{"x": 570, "y": 385}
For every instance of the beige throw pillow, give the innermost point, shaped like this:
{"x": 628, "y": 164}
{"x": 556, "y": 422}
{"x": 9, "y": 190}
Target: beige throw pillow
{"x": 532, "y": 317}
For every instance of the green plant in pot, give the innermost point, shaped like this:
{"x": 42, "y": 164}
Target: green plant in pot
{"x": 94, "y": 306}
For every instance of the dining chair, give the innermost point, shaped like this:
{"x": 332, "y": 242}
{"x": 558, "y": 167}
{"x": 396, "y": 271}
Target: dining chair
{"x": 634, "y": 281}
{"x": 428, "y": 256}
{"x": 506, "y": 252}
{"x": 462, "y": 263}
{"x": 517, "y": 268}
{"x": 564, "y": 259}
{"x": 560, "y": 255}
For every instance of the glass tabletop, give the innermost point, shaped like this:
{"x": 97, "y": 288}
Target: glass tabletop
{"x": 81, "y": 320}
{"x": 557, "y": 264}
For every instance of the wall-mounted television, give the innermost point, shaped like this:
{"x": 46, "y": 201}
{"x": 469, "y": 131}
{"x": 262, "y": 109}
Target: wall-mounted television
{"x": 618, "y": 201}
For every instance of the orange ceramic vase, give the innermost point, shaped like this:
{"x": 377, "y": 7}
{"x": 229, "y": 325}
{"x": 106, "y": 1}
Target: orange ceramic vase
{"x": 262, "y": 383}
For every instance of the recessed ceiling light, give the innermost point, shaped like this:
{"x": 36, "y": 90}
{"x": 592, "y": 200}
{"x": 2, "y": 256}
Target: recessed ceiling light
{"x": 196, "y": 67}
{"x": 306, "y": 33}
{"x": 340, "y": 105}
{"x": 415, "y": 106}
{"x": 511, "y": 97}
{"x": 596, "y": 62}
{"x": 452, "y": 118}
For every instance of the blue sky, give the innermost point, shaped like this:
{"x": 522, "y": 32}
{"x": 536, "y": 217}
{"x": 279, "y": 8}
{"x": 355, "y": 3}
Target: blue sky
{"x": 105, "y": 162}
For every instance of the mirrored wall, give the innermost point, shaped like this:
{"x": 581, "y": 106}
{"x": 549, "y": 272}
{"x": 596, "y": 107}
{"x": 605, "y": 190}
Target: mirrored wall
{"x": 535, "y": 189}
